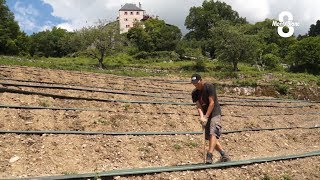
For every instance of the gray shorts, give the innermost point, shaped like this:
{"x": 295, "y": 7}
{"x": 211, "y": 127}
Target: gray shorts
{"x": 213, "y": 127}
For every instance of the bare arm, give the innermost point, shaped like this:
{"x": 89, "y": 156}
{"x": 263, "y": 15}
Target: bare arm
{"x": 199, "y": 108}
{"x": 210, "y": 107}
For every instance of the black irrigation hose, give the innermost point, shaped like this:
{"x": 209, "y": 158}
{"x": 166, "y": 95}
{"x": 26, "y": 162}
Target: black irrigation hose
{"x": 76, "y": 109}
{"x": 177, "y": 91}
{"x": 133, "y": 94}
{"x": 104, "y": 110}
{"x": 190, "y": 167}
{"x": 265, "y": 100}
{"x": 244, "y": 99}
{"x": 84, "y": 86}
{"x": 86, "y": 89}
{"x": 88, "y": 99}
{"x": 147, "y": 133}
{"x": 126, "y": 101}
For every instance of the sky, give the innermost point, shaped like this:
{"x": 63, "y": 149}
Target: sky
{"x": 39, "y": 15}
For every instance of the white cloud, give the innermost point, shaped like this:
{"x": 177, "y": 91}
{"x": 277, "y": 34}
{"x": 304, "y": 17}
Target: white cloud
{"x": 25, "y": 15}
{"x": 253, "y": 10}
{"x": 48, "y": 25}
{"x": 26, "y": 23}
{"x": 25, "y": 11}
{"x": 80, "y": 13}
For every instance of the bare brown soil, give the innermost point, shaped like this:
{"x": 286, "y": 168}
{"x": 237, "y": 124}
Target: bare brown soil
{"x": 42, "y": 155}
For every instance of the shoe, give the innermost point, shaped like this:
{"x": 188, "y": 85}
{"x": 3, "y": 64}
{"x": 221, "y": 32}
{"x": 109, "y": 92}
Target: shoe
{"x": 225, "y": 158}
{"x": 209, "y": 158}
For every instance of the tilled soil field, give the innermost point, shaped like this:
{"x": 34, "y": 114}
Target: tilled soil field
{"x": 109, "y": 103}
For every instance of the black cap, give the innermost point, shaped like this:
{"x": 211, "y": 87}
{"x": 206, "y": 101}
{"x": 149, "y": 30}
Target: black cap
{"x": 195, "y": 78}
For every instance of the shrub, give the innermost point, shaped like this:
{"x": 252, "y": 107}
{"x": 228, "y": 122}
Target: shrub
{"x": 283, "y": 89}
{"x": 200, "y": 65}
{"x": 251, "y": 83}
{"x": 163, "y": 55}
{"x": 271, "y": 62}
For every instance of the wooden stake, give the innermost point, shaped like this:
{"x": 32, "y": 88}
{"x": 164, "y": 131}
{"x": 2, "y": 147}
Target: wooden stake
{"x": 204, "y": 145}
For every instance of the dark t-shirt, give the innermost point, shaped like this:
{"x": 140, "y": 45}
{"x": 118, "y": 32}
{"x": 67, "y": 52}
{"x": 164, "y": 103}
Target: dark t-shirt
{"x": 203, "y": 97}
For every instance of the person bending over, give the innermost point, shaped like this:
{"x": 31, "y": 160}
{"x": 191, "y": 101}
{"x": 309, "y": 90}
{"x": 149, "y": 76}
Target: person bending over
{"x": 205, "y": 97}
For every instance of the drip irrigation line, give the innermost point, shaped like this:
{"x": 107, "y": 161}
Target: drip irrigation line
{"x": 189, "y": 167}
{"x": 133, "y": 94}
{"x": 137, "y": 112}
{"x": 178, "y": 91}
{"x": 128, "y": 101}
{"x": 258, "y": 105}
{"x": 94, "y": 87}
{"x": 86, "y": 89}
{"x": 147, "y": 133}
{"x": 266, "y": 100}
{"x": 114, "y": 91}
{"x": 89, "y": 99}
{"x": 172, "y": 82}
{"x": 51, "y": 108}
{"x": 77, "y": 109}
{"x": 290, "y": 114}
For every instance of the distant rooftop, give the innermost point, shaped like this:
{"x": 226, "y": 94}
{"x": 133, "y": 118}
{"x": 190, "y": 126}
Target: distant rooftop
{"x": 130, "y": 7}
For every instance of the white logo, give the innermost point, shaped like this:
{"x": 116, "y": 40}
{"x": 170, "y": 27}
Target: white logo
{"x": 289, "y": 23}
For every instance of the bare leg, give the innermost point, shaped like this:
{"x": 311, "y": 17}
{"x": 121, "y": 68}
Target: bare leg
{"x": 214, "y": 144}
{"x": 218, "y": 146}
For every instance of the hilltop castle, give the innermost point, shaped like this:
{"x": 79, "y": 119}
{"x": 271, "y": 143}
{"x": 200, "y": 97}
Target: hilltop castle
{"x": 128, "y": 15}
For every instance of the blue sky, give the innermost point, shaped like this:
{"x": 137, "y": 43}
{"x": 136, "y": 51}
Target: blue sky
{"x": 33, "y": 15}
{"x": 39, "y": 15}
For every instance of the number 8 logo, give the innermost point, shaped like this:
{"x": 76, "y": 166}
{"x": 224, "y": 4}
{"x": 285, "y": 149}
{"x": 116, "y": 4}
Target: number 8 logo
{"x": 281, "y": 19}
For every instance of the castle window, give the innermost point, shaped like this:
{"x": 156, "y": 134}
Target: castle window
{"x": 131, "y": 13}
{"x": 126, "y": 13}
{"x": 127, "y": 26}
{"x": 138, "y": 13}
{"x": 125, "y": 19}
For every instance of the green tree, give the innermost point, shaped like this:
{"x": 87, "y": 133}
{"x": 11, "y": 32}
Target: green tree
{"x": 23, "y": 43}
{"x": 272, "y": 48}
{"x": 155, "y": 35}
{"x": 141, "y": 39}
{"x": 265, "y": 31}
{"x": 189, "y": 49}
{"x": 10, "y": 34}
{"x": 49, "y": 43}
{"x": 102, "y": 40}
{"x": 314, "y": 29}
{"x": 232, "y": 44}
{"x": 201, "y": 19}
{"x": 305, "y": 55}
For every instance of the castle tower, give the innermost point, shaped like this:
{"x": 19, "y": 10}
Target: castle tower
{"x": 128, "y": 15}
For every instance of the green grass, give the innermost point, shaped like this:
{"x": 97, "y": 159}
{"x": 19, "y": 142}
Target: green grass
{"x": 177, "y": 147}
{"x": 123, "y": 64}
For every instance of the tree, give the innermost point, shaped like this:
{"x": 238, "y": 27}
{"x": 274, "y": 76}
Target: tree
{"x": 201, "y": 19}
{"x": 314, "y": 29}
{"x": 232, "y": 44}
{"x": 102, "y": 40}
{"x": 50, "y": 43}
{"x": 155, "y": 35}
{"x": 9, "y": 31}
{"x": 265, "y": 31}
{"x": 305, "y": 55}
{"x": 271, "y": 46}
{"x": 141, "y": 39}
